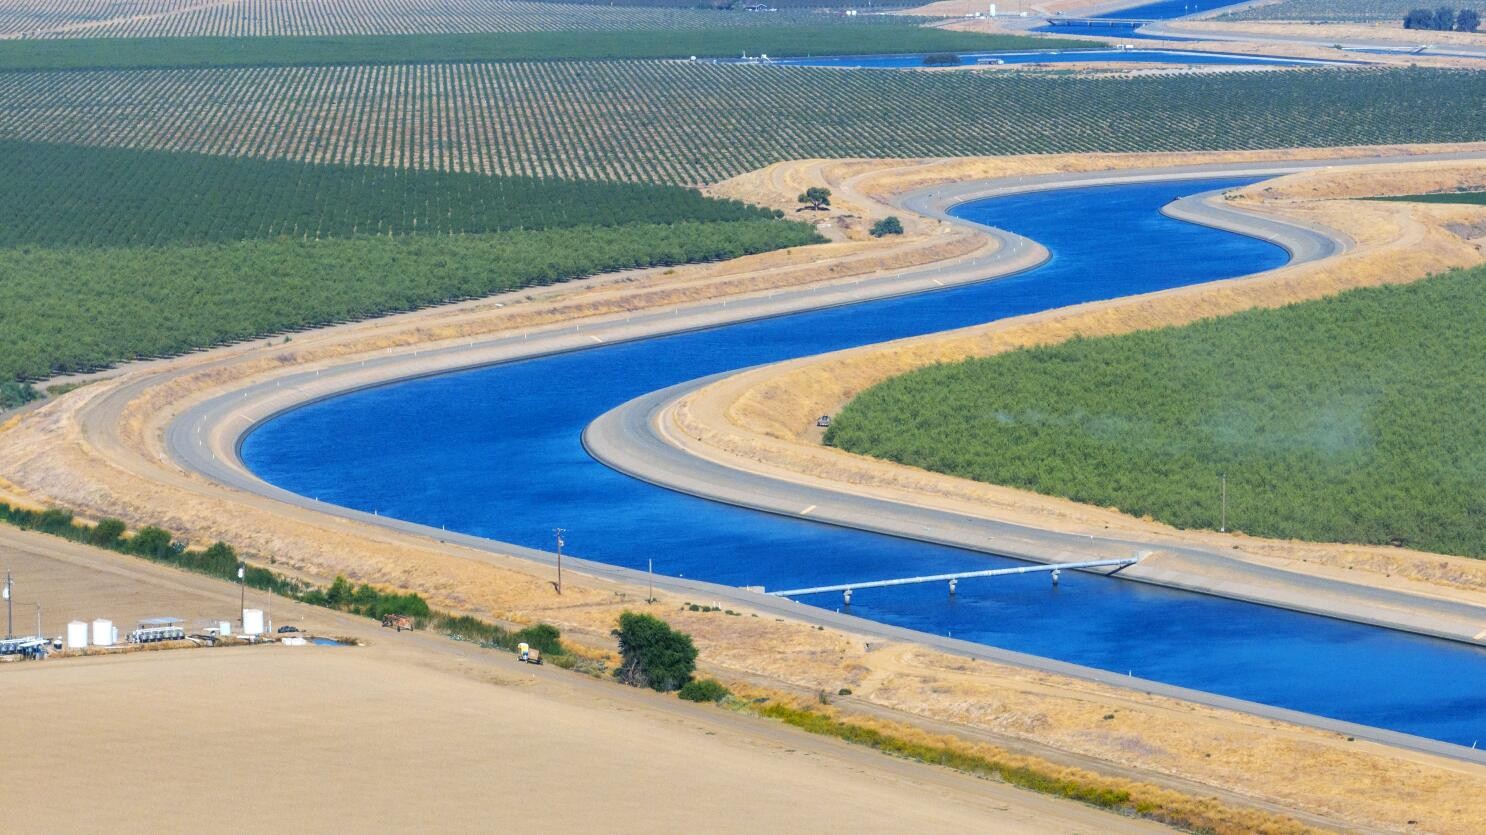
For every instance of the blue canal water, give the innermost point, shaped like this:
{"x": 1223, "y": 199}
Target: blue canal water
{"x": 1149, "y": 56}
{"x": 496, "y": 452}
{"x": 1160, "y": 10}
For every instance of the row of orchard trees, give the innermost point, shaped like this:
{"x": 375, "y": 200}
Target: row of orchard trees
{"x": 689, "y": 123}
{"x": 64, "y": 195}
{"x": 82, "y": 308}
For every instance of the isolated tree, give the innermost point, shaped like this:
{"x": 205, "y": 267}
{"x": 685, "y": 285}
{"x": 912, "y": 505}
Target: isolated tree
{"x": 817, "y": 197}
{"x": 655, "y": 655}
{"x": 1444, "y": 18}
{"x": 1469, "y": 20}
{"x": 889, "y": 225}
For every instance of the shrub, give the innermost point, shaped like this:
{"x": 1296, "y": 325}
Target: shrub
{"x": 655, "y": 655}
{"x": 543, "y": 637}
{"x": 150, "y": 542}
{"x": 13, "y": 394}
{"x": 703, "y": 690}
{"x": 889, "y": 225}
{"x": 107, "y": 533}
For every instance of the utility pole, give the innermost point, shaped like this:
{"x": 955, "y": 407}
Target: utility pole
{"x": 242, "y": 585}
{"x": 650, "y": 569}
{"x": 1223, "y": 519}
{"x": 558, "y": 532}
{"x": 9, "y": 607}
{"x": 38, "y": 620}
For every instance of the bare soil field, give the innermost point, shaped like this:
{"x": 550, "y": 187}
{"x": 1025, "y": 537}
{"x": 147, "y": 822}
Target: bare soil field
{"x": 417, "y": 732}
{"x": 100, "y": 450}
{"x": 1339, "y": 32}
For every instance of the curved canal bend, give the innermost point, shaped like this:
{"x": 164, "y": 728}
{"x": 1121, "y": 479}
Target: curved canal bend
{"x": 496, "y": 452}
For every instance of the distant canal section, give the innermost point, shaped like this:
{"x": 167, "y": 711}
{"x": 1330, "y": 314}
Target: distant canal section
{"x": 1066, "y": 56}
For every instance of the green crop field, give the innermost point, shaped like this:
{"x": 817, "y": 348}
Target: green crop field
{"x": 110, "y": 254}
{"x": 777, "y": 41}
{"x": 1351, "y": 419}
{"x": 1474, "y": 198}
{"x": 685, "y": 123}
{"x": 1331, "y": 11}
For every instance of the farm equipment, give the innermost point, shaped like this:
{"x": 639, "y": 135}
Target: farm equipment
{"x": 154, "y": 630}
{"x": 398, "y": 622}
{"x": 526, "y": 652}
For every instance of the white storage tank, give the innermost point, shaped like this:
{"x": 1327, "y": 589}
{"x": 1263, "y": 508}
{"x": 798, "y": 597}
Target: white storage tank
{"x": 77, "y": 635}
{"x": 252, "y": 621}
{"x": 103, "y": 633}
{"x": 224, "y": 628}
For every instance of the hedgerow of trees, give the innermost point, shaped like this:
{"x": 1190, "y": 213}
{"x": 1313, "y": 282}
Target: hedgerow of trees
{"x": 1350, "y": 419}
{"x": 1443, "y": 19}
{"x": 1473, "y": 198}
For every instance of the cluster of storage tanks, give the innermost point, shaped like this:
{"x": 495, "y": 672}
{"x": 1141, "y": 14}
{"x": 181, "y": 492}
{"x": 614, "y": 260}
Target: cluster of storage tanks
{"x": 103, "y": 633}
{"x": 100, "y": 633}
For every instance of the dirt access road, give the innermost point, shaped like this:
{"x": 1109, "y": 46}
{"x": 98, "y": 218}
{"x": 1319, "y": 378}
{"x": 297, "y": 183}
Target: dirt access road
{"x": 416, "y": 730}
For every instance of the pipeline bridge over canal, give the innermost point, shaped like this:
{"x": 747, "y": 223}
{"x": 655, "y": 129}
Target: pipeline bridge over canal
{"x": 1056, "y": 569}
{"x": 1099, "y": 21}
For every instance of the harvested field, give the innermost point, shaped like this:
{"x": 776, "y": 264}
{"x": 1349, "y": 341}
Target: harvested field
{"x": 1329, "y": 11}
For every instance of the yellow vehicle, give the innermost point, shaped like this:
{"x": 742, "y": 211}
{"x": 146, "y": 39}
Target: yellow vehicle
{"x": 525, "y": 652}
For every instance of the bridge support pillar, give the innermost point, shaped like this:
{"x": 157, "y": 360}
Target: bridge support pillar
{"x": 846, "y": 597}
{"x": 952, "y": 587}
{"x": 1056, "y": 572}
